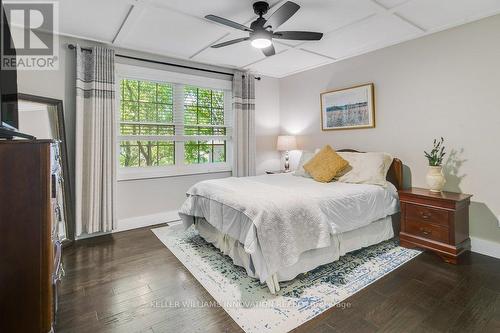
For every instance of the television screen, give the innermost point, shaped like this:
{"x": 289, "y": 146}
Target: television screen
{"x": 8, "y": 83}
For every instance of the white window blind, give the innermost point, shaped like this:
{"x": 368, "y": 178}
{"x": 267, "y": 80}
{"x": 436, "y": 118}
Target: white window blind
{"x": 172, "y": 123}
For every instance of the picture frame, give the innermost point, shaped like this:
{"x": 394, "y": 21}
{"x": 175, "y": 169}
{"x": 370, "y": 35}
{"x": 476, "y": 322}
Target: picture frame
{"x": 348, "y": 108}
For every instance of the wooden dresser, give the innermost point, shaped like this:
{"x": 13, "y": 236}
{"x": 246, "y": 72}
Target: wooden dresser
{"x": 435, "y": 221}
{"x": 30, "y": 252}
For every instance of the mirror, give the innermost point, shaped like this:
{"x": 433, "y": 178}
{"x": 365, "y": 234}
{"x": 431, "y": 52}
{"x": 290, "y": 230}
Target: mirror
{"x": 44, "y": 118}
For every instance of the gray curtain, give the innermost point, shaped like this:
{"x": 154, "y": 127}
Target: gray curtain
{"x": 95, "y": 151}
{"x": 244, "y": 125}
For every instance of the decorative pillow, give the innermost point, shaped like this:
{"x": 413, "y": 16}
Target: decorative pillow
{"x": 304, "y": 158}
{"x": 365, "y": 168}
{"x": 325, "y": 164}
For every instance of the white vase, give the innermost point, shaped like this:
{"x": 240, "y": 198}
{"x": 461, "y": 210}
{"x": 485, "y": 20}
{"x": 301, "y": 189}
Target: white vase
{"x": 435, "y": 178}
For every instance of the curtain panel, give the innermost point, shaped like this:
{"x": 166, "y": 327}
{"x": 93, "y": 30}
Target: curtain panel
{"x": 95, "y": 150}
{"x": 244, "y": 125}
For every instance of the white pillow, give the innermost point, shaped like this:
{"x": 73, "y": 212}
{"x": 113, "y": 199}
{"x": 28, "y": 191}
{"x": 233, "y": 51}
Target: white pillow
{"x": 365, "y": 168}
{"x": 304, "y": 158}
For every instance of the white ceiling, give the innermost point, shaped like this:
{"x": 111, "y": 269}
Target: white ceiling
{"x": 177, "y": 28}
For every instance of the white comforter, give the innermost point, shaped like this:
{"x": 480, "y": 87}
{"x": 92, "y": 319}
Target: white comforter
{"x": 291, "y": 215}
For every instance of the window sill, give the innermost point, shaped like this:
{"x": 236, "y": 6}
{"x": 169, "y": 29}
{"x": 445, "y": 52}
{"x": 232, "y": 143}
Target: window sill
{"x": 125, "y": 174}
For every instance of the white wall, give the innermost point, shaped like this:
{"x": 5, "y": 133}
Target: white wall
{"x": 156, "y": 196}
{"x": 446, "y": 84}
{"x": 267, "y": 124}
{"x": 35, "y": 119}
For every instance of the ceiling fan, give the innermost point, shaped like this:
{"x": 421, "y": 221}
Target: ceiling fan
{"x": 262, "y": 31}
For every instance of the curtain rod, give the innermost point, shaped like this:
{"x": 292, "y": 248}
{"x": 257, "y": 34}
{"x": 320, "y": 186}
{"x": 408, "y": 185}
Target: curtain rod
{"x": 72, "y": 47}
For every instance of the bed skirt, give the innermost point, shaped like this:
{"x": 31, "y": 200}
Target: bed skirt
{"x": 341, "y": 244}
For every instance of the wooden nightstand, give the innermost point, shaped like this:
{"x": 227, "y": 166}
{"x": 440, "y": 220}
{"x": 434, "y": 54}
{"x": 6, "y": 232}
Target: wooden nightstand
{"x": 272, "y": 172}
{"x": 435, "y": 221}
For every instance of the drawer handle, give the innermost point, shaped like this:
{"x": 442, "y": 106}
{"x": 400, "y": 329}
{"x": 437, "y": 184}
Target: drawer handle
{"x": 425, "y": 215}
{"x": 425, "y": 232}
{"x": 58, "y": 213}
{"x": 57, "y": 262}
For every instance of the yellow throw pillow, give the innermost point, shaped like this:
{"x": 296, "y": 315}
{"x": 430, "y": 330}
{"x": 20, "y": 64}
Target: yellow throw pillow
{"x": 325, "y": 165}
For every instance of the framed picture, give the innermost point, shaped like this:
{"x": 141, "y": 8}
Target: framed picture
{"x": 348, "y": 108}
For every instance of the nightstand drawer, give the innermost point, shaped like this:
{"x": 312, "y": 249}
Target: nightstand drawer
{"x": 437, "y": 221}
{"x": 426, "y": 214}
{"x": 431, "y": 231}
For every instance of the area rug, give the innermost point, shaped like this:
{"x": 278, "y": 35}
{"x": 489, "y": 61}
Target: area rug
{"x": 251, "y": 304}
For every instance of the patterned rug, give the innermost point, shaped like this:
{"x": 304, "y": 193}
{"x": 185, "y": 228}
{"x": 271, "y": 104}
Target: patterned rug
{"x": 252, "y": 306}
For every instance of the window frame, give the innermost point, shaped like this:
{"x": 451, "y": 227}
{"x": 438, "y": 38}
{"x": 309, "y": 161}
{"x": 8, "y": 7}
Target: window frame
{"x": 178, "y": 80}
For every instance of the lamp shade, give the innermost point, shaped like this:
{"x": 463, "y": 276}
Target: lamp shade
{"x": 286, "y": 142}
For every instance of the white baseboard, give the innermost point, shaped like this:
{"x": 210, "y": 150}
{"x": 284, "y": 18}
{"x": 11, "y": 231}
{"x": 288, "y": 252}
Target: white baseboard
{"x": 485, "y": 247}
{"x": 137, "y": 222}
{"x": 96, "y": 234}
{"x": 144, "y": 221}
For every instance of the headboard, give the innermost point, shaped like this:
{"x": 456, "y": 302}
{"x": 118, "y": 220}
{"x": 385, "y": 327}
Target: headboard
{"x": 395, "y": 173}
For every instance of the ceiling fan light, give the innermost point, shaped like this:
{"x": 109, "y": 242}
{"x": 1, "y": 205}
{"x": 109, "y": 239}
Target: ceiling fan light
{"x": 261, "y": 43}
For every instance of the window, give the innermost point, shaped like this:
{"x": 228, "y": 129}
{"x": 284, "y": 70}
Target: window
{"x": 172, "y": 124}
{"x": 204, "y": 115}
{"x": 146, "y": 109}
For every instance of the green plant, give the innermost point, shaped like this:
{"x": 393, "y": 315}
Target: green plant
{"x": 437, "y": 153}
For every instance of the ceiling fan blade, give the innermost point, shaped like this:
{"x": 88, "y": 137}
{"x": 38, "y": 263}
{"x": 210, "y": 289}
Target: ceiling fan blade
{"x": 269, "y": 51}
{"x": 298, "y": 35}
{"x": 230, "y": 42}
{"x": 281, "y": 15}
{"x": 227, "y": 22}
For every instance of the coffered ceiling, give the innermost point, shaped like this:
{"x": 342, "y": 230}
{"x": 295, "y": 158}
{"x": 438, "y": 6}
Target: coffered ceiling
{"x": 177, "y": 28}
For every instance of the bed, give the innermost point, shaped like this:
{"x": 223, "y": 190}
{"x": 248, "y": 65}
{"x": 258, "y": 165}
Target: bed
{"x": 279, "y": 226}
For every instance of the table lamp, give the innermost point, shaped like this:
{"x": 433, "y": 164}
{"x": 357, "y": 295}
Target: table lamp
{"x": 286, "y": 143}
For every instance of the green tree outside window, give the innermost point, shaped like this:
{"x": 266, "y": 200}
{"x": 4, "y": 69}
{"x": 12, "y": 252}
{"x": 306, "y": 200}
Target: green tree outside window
{"x": 147, "y": 109}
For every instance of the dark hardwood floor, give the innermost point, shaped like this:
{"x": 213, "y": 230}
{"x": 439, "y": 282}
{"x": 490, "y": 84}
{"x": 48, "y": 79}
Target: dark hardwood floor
{"x": 124, "y": 283}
